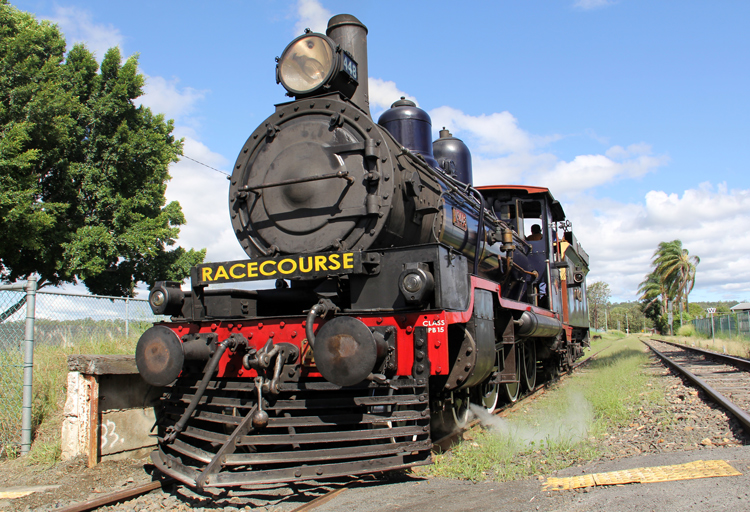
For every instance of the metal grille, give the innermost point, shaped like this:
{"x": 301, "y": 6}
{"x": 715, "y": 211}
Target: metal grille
{"x": 315, "y": 430}
{"x": 13, "y": 308}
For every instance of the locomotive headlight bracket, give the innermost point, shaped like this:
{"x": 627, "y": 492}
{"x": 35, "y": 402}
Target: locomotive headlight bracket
{"x": 313, "y": 64}
{"x": 416, "y": 282}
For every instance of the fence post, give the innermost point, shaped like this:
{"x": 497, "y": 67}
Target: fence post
{"x": 127, "y": 317}
{"x": 28, "y": 365}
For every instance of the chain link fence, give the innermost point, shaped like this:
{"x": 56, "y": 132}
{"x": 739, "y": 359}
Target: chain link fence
{"x": 67, "y": 319}
{"x": 733, "y": 325}
{"x": 60, "y": 320}
{"x": 12, "y": 330}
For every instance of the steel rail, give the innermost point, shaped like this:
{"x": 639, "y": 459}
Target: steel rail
{"x": 109, "y": 499}
{"x": 321, "y": 500}
{"x": 733, "y": 360}
{"x": 740, "y": 414}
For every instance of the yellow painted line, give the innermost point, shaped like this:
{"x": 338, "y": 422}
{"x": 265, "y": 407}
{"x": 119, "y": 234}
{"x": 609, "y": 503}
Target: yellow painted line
{"x": 9, "y": 495}
{"x": 689, "y": 471}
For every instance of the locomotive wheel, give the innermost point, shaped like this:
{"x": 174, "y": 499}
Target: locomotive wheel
{"x": 460, "y": 410}
{"x": 450, "y": 413}
{"x": 512, "y": 390}
{"x": 529, "y": 364}
{"x": 488, "y": 396}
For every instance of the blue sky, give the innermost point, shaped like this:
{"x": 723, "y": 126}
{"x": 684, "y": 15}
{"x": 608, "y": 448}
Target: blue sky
{"x": 634, "y": 113}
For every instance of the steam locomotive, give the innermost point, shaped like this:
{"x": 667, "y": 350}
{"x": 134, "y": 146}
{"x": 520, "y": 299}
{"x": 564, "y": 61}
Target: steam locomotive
{"x": 403, "y": 293}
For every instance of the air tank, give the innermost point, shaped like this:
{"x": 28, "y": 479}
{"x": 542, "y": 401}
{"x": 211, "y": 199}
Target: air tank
{"x": 453, "y": 156}
{"x": 411, "y": 126}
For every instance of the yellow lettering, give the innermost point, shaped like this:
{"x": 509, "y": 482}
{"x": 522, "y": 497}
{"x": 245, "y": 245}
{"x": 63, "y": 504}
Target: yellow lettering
{"x": 231, "y": 271}
{"x": 263, "y": 268}
{"x": 221, "y": 272}
{"x": 252, "y": 269}
{"x": 309, "y": 264}
{"x": 333, "y": 261}
{"x": 292, "y": 269}
{"x": 320, "y": 263}
{"x": 207, "y": 274}
{"x": 349, "y": 260}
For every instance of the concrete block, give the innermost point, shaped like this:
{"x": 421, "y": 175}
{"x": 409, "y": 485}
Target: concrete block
{"x": 108, "y": 416}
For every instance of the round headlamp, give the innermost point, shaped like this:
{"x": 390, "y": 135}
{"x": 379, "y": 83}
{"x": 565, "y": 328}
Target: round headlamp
{"x": 306, "y": 64}
{"x": 312, "y": 62}
{"x": 415, "y": 284}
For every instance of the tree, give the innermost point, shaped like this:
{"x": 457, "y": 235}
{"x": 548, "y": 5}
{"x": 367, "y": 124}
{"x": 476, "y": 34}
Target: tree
{"x": 676, "y": 268}
{"x": 83, "y": 171}
{"x": 695, "y": 310}
{"x": 627, "y": 315}
{"x": 652, "y": 290}
{"x": 652, "y": 310}
{"x": 673, "y": 275}
{"x": 598, "y": 294}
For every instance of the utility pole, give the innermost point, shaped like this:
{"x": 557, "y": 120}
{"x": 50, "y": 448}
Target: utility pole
{"x": 606, "y": 327}
{"x": 627, "y": 324}
{"x": 711, "y": 312}
{"x": 669, "y": 317}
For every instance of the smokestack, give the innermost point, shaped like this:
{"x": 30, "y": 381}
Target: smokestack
{"x": 349, "y": 33}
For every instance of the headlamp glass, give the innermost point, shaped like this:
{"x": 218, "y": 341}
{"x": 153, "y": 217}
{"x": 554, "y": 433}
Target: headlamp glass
{"x": 306, "y": 64}
{"x": 412, "y": 283}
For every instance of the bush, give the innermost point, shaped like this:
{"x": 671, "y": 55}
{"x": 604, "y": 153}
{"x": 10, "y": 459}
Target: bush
{"x": 686, "y": 330}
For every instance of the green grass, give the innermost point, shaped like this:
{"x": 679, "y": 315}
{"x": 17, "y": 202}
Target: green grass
{"x": 614, "y": 334}
{"x": 559, "y": 429}
{"x": 49, "y": 389}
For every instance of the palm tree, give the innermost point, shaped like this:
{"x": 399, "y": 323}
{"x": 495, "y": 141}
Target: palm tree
{"x": 651, "y": 289}
{"x": 675, "y": 269}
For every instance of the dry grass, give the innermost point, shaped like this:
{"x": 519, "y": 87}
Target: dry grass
{"x": 734, "y": 347}
{"x": 49, "y": 390}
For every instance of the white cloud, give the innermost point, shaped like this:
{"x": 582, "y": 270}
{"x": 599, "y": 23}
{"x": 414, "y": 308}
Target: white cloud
{"x": 496, "y": 133}
{"x": 163, "y": 96}
{"x": 78, "y": 27}
{"x": 312, "y": 15}
{"x": 203, "y": 195}
{"x": 501, "y": 149}
{"x": 586, "y": 172}
{"x": 383, "y": 93}
{"x": 709, "y": 220}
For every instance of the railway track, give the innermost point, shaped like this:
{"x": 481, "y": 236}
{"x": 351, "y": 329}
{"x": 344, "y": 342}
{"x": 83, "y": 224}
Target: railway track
{"x": 441, "y": 444}
{"x": 129, "y": 494}
{"x": 726, "y": 379}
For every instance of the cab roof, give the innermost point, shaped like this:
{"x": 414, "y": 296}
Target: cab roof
{"x": 527, "y": 190}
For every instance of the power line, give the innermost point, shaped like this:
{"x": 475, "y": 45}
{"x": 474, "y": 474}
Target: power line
{"x": 206, "y": 165}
